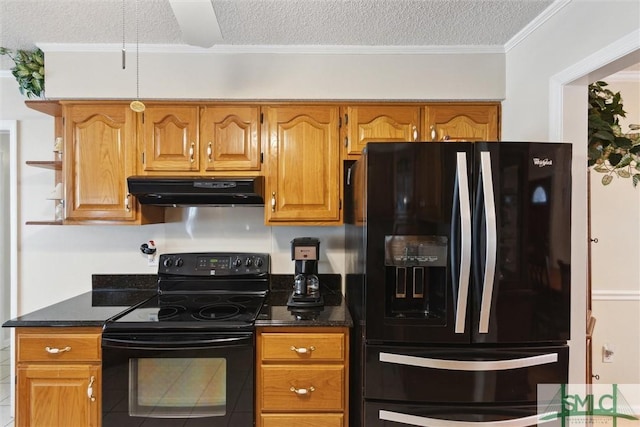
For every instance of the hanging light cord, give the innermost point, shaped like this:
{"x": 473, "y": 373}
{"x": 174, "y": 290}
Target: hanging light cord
{"x": 124, "y": 56}
{"x": 137, "y": 105}
{"x": 137, "y": 53}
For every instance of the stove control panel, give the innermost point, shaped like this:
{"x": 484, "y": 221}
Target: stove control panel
{"x": 223, "y": 264}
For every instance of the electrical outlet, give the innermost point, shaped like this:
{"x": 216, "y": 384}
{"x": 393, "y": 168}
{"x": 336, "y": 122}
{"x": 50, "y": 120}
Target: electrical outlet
{"x": 152, "y": 261}
{"x": 608, "y": 352}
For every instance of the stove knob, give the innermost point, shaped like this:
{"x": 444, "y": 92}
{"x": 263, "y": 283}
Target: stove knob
{"x": 168, "y": 262}
{"x": 237, "y": 262}
{"x": 179, "y": 262}
{"x": 258, "y": 262}
{"x": 248, "y": 262}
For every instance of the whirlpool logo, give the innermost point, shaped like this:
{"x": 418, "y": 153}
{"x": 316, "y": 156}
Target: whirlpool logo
{"x": 542, "y": 162}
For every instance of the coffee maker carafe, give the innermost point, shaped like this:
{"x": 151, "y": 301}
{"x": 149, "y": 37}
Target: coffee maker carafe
{"x": 305, "y": 251}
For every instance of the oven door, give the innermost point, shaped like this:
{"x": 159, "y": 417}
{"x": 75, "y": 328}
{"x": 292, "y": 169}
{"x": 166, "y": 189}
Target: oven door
{"x": 185, "y": 379}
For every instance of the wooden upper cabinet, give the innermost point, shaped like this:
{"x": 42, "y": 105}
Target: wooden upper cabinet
{"x": 229, "y": 138}
{"x": 98, "y": 157}
{"x": 168, "y": 138}
{"x": 379, "y": 123}
{"x": 303, "y": 167}
{"x": 462, "y": 122}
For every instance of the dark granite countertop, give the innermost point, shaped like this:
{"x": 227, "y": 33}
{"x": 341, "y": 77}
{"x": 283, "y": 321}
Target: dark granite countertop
{"x": 112, "y": 295}
{"x": 276, "y": 313}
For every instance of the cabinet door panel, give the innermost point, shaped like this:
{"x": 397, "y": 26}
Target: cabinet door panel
{"x": 459, "y": 122}
{"x": 229, "y": 138}
{"x": 170, "y": 138}
{"x": 304, "y": 173}
{"x": 380, "y": 123}
{"x": 98, "y": 157}
{"x": 57, "y": 396}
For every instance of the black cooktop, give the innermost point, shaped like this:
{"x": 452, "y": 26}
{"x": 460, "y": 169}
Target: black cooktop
{"x": 220, "y": 308}
{"x": 202, "y": 291}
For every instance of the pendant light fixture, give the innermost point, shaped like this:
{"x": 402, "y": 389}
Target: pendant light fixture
{"x": 137, "y": 105}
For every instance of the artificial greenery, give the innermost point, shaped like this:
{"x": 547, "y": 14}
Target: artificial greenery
{"x": 611, "y": 151}
{"x": 28, "y": 70}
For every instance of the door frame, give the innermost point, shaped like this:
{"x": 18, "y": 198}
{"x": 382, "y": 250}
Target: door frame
{"x": 11, "y": 127}
{"x": 568, "y": 91}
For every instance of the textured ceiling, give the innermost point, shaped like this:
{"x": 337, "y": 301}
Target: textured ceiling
{"x": 274, "y": 22}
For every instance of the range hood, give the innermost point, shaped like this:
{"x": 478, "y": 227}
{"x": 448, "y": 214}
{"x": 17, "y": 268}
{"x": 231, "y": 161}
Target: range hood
{"x": 197, "y": 191}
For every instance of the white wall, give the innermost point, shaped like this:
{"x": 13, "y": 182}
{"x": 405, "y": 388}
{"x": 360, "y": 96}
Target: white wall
{"x": 74, "y": 72}
{"x": 532, "y": 67}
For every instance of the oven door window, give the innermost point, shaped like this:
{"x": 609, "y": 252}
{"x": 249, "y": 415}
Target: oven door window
{"x": 177, "y": 387}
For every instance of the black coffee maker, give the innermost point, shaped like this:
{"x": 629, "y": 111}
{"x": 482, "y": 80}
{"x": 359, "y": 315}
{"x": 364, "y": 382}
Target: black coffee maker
{"x": 305, "y": 251}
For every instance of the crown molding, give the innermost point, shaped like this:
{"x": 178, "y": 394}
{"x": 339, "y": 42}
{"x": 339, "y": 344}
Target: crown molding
{"x": 271, "y": 49}
{"x": 546, "y": 14}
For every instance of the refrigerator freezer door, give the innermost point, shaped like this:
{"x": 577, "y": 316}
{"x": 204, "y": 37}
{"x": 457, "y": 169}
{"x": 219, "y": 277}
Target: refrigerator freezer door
{"x": 455, "y": 375}
{"x": 384, "y": 414}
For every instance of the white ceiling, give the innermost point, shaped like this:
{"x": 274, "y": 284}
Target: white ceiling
{"x": 443, "y": 25}
{"x": 273, "y": 22}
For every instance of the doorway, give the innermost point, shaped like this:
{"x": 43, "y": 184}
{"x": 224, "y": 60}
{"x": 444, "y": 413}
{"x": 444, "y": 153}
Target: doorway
{"x": 568, "y": 122}
{"x": 8, "y": 239}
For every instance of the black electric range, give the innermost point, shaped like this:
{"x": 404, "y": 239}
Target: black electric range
{"x": 187, "y": 355}
{"x": 202, "y": 291}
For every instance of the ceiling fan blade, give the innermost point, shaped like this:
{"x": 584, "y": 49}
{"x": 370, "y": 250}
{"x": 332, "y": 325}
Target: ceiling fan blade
{"x": 198, "y": 22}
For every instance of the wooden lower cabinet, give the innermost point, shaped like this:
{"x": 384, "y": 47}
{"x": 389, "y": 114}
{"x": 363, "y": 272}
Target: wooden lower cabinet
{"x": 302, "y": 420}
{"x": 58, "y": 377}
{"x": 302, "y": 377}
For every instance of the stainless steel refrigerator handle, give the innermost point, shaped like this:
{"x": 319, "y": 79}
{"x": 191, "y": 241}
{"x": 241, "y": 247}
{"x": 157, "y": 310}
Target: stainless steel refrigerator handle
{"x": 469, "y": 365}
{"x": 491, "y": 232}
{"x": 414, "y": 420}
{"x": 465, "y": 242}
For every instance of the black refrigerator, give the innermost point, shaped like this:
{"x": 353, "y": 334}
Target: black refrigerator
{"x": 458, "y": 279}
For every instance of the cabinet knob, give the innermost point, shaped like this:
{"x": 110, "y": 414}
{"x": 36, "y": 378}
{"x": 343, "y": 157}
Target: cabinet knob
{"x": 434, "y": 134}
{"x": 302, "y": 350}
{"x": 209, "y": 151}
{"x": 273, "y": 201}
{"x": 302, "y": 391}
{"x": 126, "y": 202}
{"x": 54, "y": 350}
{"x": 192, "y": 152}
{"x": 415, "y": 133}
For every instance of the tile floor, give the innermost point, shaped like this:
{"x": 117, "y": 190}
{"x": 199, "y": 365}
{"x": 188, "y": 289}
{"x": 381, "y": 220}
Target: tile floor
{"x": 5, "y": 388}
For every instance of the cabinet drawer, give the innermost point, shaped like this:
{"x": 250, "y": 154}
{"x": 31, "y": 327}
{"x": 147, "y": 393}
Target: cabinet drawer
{"x": 324, "y": 386}
{"x": 302, "y": 346}
{"x": 306, "y": 420}
{"x": 37, "y": 347}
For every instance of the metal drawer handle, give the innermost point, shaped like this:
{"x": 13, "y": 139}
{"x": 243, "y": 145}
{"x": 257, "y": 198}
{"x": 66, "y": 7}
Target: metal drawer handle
{"x": 53, "y": 350}
{"x": 90, "y": 389}
{"x": 302, "y": 391}
{"x": 302, "y": 350}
